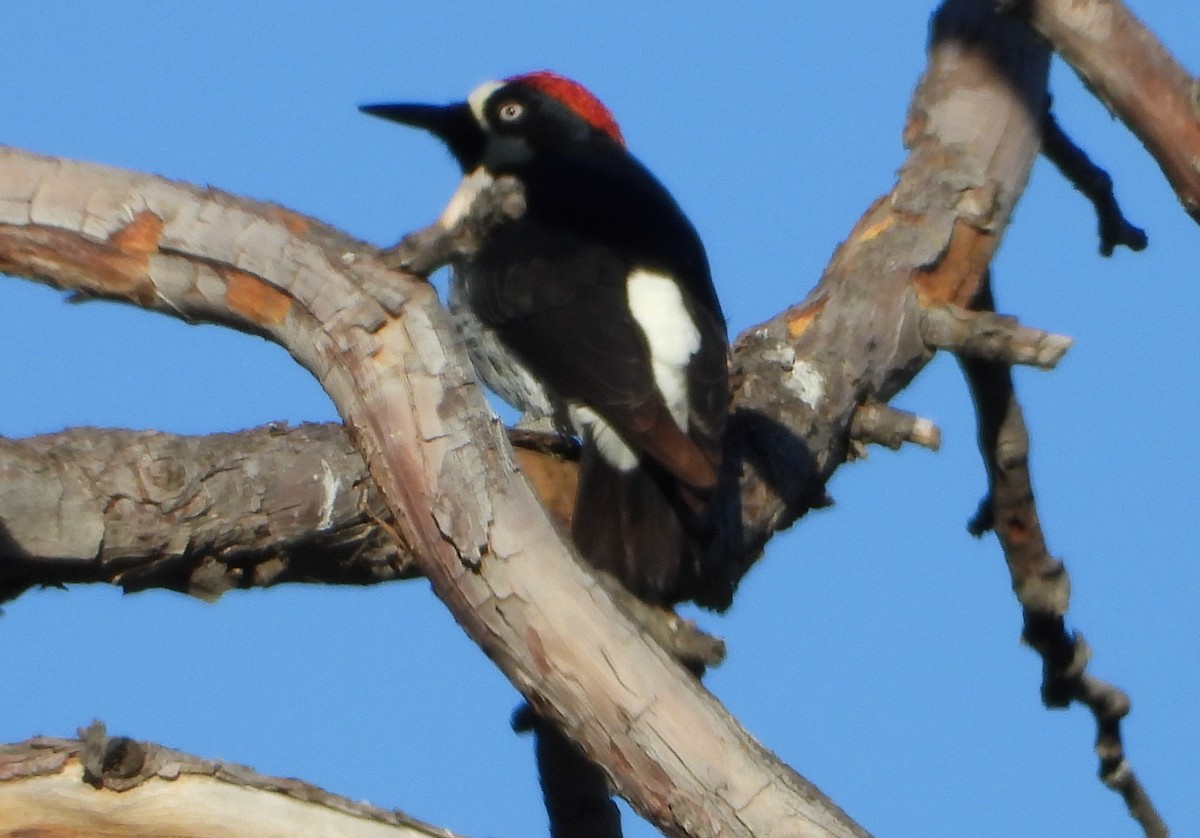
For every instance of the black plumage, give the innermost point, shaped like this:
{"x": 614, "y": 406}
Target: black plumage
{"x": 557, "y": 289}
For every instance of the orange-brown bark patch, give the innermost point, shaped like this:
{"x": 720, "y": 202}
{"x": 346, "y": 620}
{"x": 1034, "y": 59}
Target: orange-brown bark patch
{"x": 799, "y": 322}
{"x": 914, "y": 126}
{"x": 555, "y": 481}
{"x": 140, "y": 236}
{"x": 958, "y": 273}
{"x": 537, "y": 652}
{"x": 75, "y": 262}
{"x": 254, "y": 299}
{"x": 875, "y": 228}
{"x": 870, "y": 224}
{"x": 295, "y": 223}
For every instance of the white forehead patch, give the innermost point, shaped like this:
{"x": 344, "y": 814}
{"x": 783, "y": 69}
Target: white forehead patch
{"x": 501, "y": 150}
{"x": 479, "y": 97}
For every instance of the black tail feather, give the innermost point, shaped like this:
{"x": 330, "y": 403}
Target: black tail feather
{"x": 640, "y": 526}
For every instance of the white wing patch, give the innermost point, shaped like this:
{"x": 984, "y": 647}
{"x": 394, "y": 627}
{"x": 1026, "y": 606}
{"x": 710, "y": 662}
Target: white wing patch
{"x": 615, "y": 451}
{"x": 657, "y": 305}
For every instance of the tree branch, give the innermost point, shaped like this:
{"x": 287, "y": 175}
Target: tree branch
{"x": 1041, "y": 582}
{"x": 991, "y": 337}
{"x": 1095, "y": 184}
{"x": 65, "y": 786}
{"x": 199, "y": 515}
{"x": 382, "y": 348}
{"x": 206, "y": 514}
{"x": 1135, "y": 76}
{"x": 891, "y": 427}
{"x": 801, "y": 377}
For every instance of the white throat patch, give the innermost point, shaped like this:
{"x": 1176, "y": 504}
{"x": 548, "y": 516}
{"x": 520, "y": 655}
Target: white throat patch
{"x": 464, "y": 196}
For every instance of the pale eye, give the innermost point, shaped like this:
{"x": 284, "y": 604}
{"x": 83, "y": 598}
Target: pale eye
{"x": 511, "y": 111}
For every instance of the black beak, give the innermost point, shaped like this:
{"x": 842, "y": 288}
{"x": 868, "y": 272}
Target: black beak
{"x": 454, "y": 125}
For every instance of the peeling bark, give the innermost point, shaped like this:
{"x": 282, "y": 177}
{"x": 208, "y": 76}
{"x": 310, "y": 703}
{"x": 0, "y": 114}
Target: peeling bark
{"x": 382, "y": 348}
{"x": 858, "y": 338}
{"x": 199, "y": 515}
{"x": 65, "y": 787}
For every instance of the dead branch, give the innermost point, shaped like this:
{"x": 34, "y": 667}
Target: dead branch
{"x": 888, "y": 426}
{"x": 206, "y": 514}
{"x": 858, "y": 337}
{"x": 992, "y": 337}
{"x": 66, "y": 786}
{"x": 424, "y": 251}
{"x": 1133, "y": 74}
{"x": 1095, "y": 184}
{"x": 198, "y": 515}
{"x": 378, "y": 342}
{"x": 1041, "y": 582}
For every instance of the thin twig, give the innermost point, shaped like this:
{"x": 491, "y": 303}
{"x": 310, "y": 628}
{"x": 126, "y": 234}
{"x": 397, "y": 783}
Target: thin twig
{"x": 1041, "y": 582}
{"x": 1095, "y": 184}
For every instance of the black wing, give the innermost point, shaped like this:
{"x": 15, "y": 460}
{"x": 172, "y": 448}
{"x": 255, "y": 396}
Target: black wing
{"x": 554, "y": 288}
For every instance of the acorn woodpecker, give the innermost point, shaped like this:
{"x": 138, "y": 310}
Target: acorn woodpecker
{"x": 596, "y": 304}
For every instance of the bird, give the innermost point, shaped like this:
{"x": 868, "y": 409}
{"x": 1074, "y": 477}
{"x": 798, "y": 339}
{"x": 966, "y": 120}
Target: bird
{"x": 597, "y": 306}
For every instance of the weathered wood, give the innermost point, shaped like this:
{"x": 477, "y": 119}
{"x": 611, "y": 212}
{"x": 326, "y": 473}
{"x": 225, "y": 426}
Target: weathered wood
{"x": 857, "y": 338}
{"x": 1132, "y": 73}
{"x": 381, "y": 346}
{"x": 52, "y": 787}
{"x": 1041, "y": 581}
{"x": 200, "y": 515}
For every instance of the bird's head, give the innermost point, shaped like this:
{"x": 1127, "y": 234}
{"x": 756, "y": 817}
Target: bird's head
{"x": 506, "y": 122}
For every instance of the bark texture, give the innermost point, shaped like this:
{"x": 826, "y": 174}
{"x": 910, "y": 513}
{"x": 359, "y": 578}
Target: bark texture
{"x": 1136, "y": 77}
{"x": 381, "y": 346}
{"x": 62, "y": 787}
{"x": 204, "y": 514}
{"x": 194, "y": 514}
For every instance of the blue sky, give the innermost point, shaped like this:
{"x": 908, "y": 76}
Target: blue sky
{"x": 876, "y": 647}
